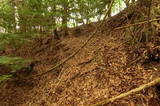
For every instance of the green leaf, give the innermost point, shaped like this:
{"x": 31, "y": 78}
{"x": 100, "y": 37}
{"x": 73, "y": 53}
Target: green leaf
{"x": 5, "y": 78}
{"x": 15, "y": 63}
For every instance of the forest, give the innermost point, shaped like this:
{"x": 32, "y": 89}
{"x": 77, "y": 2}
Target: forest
{"x": 79, "y": 53}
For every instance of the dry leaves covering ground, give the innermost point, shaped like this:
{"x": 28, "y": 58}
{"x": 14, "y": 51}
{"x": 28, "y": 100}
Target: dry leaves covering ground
{"x": 96, "y": 73}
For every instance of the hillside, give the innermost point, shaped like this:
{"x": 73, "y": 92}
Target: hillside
{"x": 106, "y": 67}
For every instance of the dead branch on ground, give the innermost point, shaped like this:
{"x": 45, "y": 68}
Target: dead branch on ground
{"x": 135, "y": 24}
{"x": 133, "y": 91}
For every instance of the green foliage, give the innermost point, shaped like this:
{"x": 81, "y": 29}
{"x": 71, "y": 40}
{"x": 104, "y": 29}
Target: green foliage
{"x": 5, "y": 78}
{"x": 44, "y": 15}
{"x": 7, "y": 15}
{"x": 21, "y": 17}
{"x": 11, "y": 39}
{"x": 13, "y": 63}
{"x": 117, "y": 6}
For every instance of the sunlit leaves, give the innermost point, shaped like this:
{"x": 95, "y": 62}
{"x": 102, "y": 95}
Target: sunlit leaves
{"x": 7, "y": 18}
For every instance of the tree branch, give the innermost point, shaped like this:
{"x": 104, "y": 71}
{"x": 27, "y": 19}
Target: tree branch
{"x": 135, "y": 24}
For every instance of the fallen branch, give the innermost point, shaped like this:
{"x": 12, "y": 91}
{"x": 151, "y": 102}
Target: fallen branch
{"x": 85, "y": 43}
{"x": 135, "y": 24}
{"x": 152, "y": 83}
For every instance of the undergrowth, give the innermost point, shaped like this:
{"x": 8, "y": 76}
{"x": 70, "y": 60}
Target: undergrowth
{"x": 13, "y": 64}
{"x": 11, "y": 39}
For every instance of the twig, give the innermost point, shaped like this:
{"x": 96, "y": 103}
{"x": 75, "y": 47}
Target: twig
{"x": 135, "y": 24}
{"x": 86, "y": 62}
{"x": 152, "y": 83}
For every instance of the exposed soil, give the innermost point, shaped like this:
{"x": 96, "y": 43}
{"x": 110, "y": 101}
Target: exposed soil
{"x": 97, "y": 72}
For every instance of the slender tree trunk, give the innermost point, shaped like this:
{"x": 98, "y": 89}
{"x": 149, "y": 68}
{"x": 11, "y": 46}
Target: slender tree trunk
{"x": 65, "y": 18}
{"x": 14, "y": 5}
{"x": 110, "y": 11}
{"x": 65, "y": 15}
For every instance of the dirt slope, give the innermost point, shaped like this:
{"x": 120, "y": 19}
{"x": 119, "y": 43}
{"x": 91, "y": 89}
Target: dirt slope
{"x": 96, "y": 73}
{"x": 92, "y": 75}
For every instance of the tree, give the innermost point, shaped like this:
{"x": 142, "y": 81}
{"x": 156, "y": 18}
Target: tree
{"x": 7, "y": 13}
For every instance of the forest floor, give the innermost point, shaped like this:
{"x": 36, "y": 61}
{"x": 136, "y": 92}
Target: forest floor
{"x": 99, "y": 71}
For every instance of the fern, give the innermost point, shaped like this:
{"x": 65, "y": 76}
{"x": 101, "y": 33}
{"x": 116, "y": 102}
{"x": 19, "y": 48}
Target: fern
{"x": 11, "y": 39}
{"x": 14, "y": 63}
